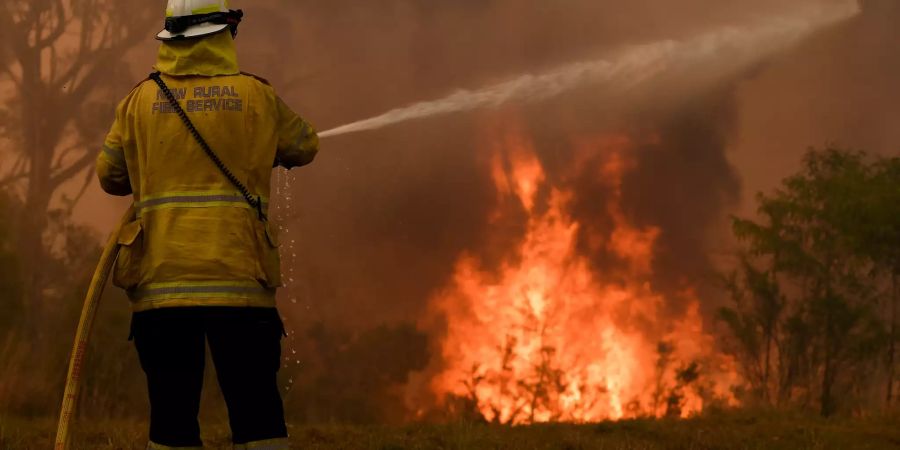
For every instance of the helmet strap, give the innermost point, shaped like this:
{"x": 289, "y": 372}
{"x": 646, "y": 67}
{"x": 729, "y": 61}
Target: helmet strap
{"x": 178, "y": 25}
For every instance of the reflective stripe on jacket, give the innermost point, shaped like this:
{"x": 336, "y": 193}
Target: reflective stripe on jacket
{"x": 195, "y": 240}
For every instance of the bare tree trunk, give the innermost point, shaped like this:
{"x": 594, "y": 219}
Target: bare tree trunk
{"x": 40, "y": 136}
{"x": 892, "y": 346}
{"x": 828, "y": 370}
{"x": 31, "y": 245}
{"x": 827, "y": 377}
{"x": 33, "y": 220}
{"x": 766, "y": 396}
{"x": 772, "y": 329}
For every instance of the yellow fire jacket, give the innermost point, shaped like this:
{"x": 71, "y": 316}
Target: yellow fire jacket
{"x": 195, "y": 240}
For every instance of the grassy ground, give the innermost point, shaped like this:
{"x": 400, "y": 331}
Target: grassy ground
{"x": 730, "y": 431}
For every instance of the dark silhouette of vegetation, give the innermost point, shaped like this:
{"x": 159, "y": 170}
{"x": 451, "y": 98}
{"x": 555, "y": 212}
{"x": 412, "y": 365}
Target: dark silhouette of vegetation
{"x": 33, "y": 357}
{"x": 815, "y": 296}
{"x": 684, "y": 377}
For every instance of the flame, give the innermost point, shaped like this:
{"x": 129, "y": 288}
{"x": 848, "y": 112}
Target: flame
{"x": 544, "y": 338}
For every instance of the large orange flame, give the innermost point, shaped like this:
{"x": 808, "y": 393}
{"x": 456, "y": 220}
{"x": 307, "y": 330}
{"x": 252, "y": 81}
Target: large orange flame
{"x": 544, "y": 338}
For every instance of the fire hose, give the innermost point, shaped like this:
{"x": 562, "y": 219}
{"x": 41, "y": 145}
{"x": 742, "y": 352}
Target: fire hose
{"x": 83, "y": 333}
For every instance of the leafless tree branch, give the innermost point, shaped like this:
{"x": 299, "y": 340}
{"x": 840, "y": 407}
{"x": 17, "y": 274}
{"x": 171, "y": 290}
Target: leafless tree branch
{"x": 55, "y": 31}
{"x": 12, "y": 76}
{"x": 88, "y": 178}
{"x": 100, "y": 64}
{"x": 62, "y": 154}
{"x": 64, "y": 175}
{"x": 14, "y": 38}
{"x": 12, "y": 179}
{"x": 18, "y": 172}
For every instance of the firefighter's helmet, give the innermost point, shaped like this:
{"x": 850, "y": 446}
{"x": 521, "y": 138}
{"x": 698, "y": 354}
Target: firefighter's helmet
{"x": 190, "y": 19}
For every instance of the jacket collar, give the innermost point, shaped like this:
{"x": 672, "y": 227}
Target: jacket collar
{"x": 209, "y": 56}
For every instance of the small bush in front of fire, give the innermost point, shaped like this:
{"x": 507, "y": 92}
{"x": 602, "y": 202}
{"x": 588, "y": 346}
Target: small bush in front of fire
{"x": 815, "y": 297}
{"x": 547, "y": 382}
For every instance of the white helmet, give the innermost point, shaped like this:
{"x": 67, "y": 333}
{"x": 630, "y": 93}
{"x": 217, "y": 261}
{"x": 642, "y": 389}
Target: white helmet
{"x": 187, "y": 19}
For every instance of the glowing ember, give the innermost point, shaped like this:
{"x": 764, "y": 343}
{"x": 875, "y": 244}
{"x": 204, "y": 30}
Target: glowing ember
{"x": 543, "y": 338}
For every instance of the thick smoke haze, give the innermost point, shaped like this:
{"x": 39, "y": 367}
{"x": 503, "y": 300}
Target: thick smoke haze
{"x": 381, "y": 217}
{"x": 838, "y": 87}
{"x": 629, "y": 69}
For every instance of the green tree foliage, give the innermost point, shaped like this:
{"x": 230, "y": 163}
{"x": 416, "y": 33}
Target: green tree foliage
{"x": 684, "y": 377}
{"x": 810, "y": 295}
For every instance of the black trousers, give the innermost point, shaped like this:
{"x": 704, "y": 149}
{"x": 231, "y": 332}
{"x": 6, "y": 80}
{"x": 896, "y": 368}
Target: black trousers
{"x": 245, "y": 344}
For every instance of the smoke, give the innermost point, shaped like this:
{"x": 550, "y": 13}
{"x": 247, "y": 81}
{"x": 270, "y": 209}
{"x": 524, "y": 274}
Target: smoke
{"x": 836, "y": 88}
{"x": 632, "y": 68}
{"x": 381, "y": 217}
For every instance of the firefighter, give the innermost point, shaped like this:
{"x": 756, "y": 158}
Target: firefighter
{"x": 195, "y": 144}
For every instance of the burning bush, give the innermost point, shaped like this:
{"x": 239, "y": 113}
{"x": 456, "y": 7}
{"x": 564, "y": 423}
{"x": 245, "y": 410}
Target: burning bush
{"x": 542, "y": 337}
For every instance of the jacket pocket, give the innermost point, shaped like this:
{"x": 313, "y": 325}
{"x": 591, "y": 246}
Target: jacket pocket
{"x": 127, "y": 273}
{"x": 269, "y": 259}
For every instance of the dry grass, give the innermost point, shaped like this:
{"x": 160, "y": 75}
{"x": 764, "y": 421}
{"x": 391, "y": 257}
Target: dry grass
{"x": 736, "y": 430}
